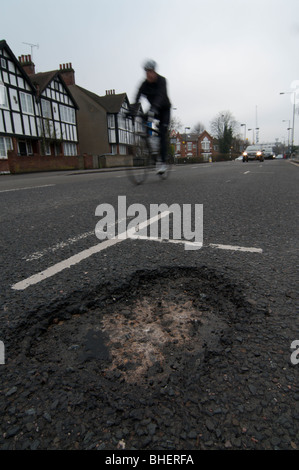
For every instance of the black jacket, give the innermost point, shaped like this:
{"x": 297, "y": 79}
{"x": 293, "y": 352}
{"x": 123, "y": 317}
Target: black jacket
{"x": 156, "y": 93}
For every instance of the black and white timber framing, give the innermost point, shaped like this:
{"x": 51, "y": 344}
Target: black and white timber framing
{"x": 37, "y": 113}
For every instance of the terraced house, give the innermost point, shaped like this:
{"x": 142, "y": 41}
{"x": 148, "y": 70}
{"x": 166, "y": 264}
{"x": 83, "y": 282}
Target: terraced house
{"x": 37, "y": 112}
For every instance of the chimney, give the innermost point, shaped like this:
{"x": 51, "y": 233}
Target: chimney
{"x": 68, "y": 73}
{"x": 27, "y": 64}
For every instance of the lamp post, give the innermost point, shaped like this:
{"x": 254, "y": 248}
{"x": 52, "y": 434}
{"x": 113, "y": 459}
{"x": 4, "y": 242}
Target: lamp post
{"x": 294, "y": 110}
{"x": 244, "y": 134}
{"x": 257, "y": 134}
{"x": 252, "y": 134}
{"x": 288, "y": 129}
{"x": 186, "y": 141}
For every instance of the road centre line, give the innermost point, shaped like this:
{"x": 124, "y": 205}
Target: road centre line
{"x": 29, "y": 187}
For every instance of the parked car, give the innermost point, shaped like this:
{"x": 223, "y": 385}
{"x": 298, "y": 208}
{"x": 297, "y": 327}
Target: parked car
{"x": 253, "y": 152}
{"x": 278, "y": 157}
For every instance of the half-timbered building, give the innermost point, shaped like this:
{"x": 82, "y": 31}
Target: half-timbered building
{"x": 57, "y": 111}
{"x": 18, "y": 108}
{"x": 37, "y": 111}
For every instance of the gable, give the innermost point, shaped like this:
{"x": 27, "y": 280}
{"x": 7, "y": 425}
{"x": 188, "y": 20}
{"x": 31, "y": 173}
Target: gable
{"x": 11, "y": 72}
{"x": 51, "y": 85}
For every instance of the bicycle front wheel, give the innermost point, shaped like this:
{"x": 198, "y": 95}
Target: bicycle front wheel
{"x": 138, "y": 172}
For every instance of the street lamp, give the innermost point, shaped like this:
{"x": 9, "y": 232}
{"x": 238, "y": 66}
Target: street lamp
{"x": 244, "y": 134}
{"x": 252, "y": 134}
{"x": 294, "y": 110}
{"x": 186, "y": 141}
{"x": 288, "y": 129}
{"x": 257, "y": 134}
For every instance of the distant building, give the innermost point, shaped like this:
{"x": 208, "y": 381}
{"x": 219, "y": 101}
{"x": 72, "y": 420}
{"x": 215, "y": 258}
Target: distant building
{"x": 195, "y": 146}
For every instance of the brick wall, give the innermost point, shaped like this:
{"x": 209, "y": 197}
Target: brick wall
{"x": 32, "y": 163}
{"x": 4, "y": 168}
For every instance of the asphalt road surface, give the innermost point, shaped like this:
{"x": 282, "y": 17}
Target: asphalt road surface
{"x": 142, "y": 343}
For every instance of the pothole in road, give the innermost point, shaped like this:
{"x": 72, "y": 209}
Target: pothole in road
{"x": 161, "y": 322}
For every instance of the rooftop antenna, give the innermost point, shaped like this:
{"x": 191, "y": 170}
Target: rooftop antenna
{"x": 32, "y": 46}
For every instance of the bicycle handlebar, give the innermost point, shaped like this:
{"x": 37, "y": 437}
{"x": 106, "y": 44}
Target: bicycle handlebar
{"x": 133, "y": 115}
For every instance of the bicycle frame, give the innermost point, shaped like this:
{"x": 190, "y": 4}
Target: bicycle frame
{"x": 144, "y": 155}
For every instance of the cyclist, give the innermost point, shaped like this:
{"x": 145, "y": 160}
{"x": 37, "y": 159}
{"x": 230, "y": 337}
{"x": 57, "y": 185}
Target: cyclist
{"x": 155, "y": 90}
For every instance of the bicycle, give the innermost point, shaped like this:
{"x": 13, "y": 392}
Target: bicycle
{"x": 145, "y": 150}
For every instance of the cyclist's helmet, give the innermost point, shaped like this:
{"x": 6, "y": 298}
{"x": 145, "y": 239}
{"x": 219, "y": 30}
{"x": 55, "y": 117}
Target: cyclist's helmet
{"x": 150, "y": 65}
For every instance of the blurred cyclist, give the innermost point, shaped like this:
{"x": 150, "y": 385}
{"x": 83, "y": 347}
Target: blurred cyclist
{"x": 154, "y": 89}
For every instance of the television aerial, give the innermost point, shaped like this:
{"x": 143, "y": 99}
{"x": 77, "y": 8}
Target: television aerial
{"x": 32, "y": 46}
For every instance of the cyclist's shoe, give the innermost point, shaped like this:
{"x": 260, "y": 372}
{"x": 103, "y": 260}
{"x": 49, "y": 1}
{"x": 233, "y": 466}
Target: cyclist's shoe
{"x": 162, "y": 169}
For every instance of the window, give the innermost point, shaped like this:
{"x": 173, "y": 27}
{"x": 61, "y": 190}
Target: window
{"x": 205, "y": 144}
{"x": 25, "y": 147}
{"x": 26, "y": 103}
{"x": 189, "y": 146}
{"x": 67, "y": 114}
{"x": 3, "y": 63}
{"x": 69, "y": 149}
{"x": 47, "y": 148}
{"x": 3, "y": 96}
{"x": 5, "y": 145}
{"x": 122, "y": 150}
{"x": 46, "y": 109}
{"x": 111, "y": 122}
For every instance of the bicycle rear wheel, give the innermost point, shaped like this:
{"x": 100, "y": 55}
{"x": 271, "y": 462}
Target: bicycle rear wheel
{"x": 141, "y": 163}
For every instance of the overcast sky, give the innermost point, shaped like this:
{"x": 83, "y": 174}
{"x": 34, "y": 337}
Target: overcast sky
{"x": 217, "y": 55}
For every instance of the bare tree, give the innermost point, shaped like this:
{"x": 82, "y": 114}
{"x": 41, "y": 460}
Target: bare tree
{"x": 198, "y": 128}
{"x": 224, "y": 127}
{"x": 175, "y": 124}
{"x": 222, "y": 122}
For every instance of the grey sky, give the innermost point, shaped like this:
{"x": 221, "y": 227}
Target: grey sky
{"x": 216, "y": 55}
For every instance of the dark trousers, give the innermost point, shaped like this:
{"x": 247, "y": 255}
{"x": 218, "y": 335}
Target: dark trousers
{"x": 164, "y": 118}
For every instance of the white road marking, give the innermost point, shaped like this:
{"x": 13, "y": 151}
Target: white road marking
{"x": 167, "y": 240}
{"x": 56, "y": 268}
{"x": 29, "y": 187}
{"x": 245, "y": 173}
{"x": 236, "y": 248}
{"x": 52, "y": 249}
{"x": 60, "y": 245}
{"x": 212, "y": 245}
{"x": 131, "y": 233}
